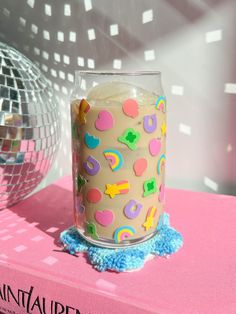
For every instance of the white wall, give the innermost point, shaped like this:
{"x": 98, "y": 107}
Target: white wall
{"x": 193, "y": 43}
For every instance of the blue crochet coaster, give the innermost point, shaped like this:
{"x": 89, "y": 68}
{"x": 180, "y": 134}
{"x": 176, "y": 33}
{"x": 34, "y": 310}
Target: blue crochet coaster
{"x": 166, "y": 242}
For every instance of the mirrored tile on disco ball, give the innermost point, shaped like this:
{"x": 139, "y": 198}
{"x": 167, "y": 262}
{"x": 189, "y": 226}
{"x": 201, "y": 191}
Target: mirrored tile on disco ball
{"x": 4, "y": 92}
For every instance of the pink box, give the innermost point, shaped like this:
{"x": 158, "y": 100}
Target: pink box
{"x": 200, "y": 278}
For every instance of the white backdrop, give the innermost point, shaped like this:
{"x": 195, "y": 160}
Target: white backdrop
{"x": 193, "y": 43}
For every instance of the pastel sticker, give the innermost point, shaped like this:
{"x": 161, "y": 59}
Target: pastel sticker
{"x": 79, "y": 205}
{"x": 161, "y": 104}
{"x": 130, "y": 138}
{"x": 91, "y": 166}
{"x": 91, "y": 141}
{"x": 104, "y": 121}
{"x": 150, "y": 187}
{"x": 163, "y": 129}
{"x": 132, "y": 209}
{"x": 154, "y": 146}
{"x": 161, "y": 164}
{"x": 94, "y": 195}
{"x": 150, "y": 218}
{"x": 75, "y": 158}
{"x": 163, "y": 221}
{"x": 74, "y": 131}
{"x": 123, "y": 233}
{"x": 91, "y": 230}
{"x": 104, "y": 217}
{"x": 115, "y": 158}
{"x": 130, "y": 108}
{"x": 121, "y": 187}
{"x": 160, "y": 223}
{"x": 161, "y": 196}
{"x": 140, "y": 166}
{"x": 80, "y": 182}
{"x": 150, "y": 123}
{"x": 83, "y": 110}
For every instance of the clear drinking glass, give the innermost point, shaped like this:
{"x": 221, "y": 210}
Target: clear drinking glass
{"x": 118, "y": 146}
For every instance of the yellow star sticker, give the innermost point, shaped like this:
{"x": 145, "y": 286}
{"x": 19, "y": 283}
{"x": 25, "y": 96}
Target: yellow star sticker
{"x": 83, "y": 110}
{"x": 148, "y": 223}
{"x": 163, "y": 128}
{"x": 112, "y": 190}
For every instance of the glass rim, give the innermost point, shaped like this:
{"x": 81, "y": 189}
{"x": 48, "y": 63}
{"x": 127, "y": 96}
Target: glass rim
{"x": 117, "y": 73}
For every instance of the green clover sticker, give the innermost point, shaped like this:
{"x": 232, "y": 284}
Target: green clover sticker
{"x": 76, "y": 133}
{"x": 80, "y": 182}
{"x": 150, "y": 187}
{"x": 91, "y": 230}
{"x": 130, "y": 138}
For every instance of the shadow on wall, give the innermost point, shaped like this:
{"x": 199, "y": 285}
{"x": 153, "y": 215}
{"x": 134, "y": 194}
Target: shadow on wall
{"x": 133, "y": 35}
{"x": 65, "y": 36}
{"x": 92, "y": 34}
{"x": 205, "y": 141}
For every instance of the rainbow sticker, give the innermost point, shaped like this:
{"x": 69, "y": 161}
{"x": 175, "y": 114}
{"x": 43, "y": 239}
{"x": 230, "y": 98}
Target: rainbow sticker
{"x": 161, "y": 163}
{"x": 115, "y": 158}
{"x": 161, "y": 103}
{"x": 122, "y": 233}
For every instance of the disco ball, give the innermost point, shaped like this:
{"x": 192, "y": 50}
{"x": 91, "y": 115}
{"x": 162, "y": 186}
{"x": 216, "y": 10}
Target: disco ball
{"x": 29, "y": 126}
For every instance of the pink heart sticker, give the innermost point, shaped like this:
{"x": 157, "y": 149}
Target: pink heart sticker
{"x": 104, "y": 217}
{"x": 162, "y": 193}
{"x": 140, "y": 166}
{"x": 104, "y": 121}
{"x": 130, "y": 108}
{"x": 154, "y": 146}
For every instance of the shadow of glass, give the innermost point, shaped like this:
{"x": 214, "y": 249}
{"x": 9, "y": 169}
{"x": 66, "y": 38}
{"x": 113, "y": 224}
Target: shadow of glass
{"x": 50, "y": 210}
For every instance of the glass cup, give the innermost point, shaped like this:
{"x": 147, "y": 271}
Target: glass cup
{"x": 118, "y": 148}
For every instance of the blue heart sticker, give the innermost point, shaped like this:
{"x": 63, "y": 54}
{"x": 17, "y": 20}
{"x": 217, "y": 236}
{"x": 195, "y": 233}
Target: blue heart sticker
{"x": 91, "y": 141}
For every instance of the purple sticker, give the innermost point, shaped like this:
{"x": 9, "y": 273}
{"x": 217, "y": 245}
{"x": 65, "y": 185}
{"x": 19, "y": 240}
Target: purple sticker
{"x": 79, "y": 205}
{"x": 146, "y": 123}
{"x": 91, "y": 166}
{"x": 132, "y": 209}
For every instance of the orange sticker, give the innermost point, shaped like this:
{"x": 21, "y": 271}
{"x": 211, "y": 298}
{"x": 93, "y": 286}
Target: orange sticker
{"x": 94, "y": 195}
{"x": 130, "y": 108}
{"x": 140, "y": 166}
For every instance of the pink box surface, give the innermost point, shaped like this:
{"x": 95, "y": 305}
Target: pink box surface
{"x": 200, "y": 278}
